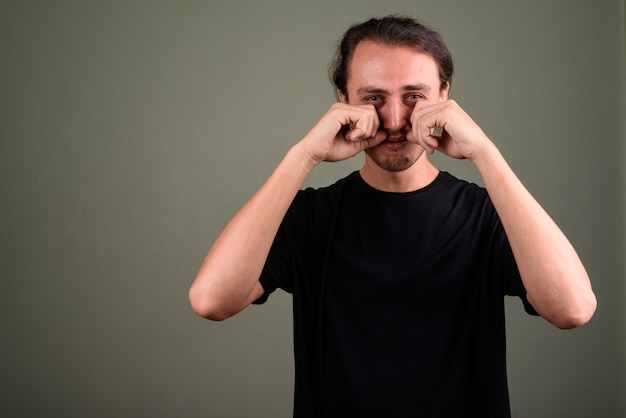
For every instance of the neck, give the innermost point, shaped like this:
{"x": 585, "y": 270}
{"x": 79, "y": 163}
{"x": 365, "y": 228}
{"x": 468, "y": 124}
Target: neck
{"x": 416, "y": 177}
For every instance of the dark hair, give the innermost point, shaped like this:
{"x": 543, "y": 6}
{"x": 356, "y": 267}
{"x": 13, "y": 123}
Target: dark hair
{"x": 394, "y": 31}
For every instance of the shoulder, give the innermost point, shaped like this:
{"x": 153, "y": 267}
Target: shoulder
{"x": 449, "y": 188}
{"x": 450, "y": 182}
{"x": 328, "y": 194}
{"x": 313, "y": 205}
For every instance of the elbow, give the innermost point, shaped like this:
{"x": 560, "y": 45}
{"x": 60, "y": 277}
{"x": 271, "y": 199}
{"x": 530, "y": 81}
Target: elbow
{"x": 567, "y": 313}
{"x": 578, "y": 314}
{"x": 206, "y": 306}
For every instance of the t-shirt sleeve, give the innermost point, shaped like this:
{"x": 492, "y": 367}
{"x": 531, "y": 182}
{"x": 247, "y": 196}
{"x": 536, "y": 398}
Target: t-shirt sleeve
{"x": 275, "y": 274}
{"x": 501, "y": 261}
{"x": 516, "y": 288}
{"x": 513, "y": 285}
{"x": 278, "y": 272}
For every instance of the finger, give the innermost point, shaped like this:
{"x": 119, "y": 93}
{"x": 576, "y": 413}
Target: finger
{"x": 427, "y": 134}
{"x": 364, "y": 128}
{"x": 431, "y": 146}
{"x": 426, "y": 120}
{"x": 377, "y": 138}
{"x": 356, "y": 134}
{"x": 428, "y": 142}
{"x": 368, "y": 123}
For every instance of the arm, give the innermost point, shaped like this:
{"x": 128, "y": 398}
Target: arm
{"x": 555, "y": 279}
{"x": 228, "y": 280}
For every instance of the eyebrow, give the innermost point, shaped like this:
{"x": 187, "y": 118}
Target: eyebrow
{"x": 410, "y": 87}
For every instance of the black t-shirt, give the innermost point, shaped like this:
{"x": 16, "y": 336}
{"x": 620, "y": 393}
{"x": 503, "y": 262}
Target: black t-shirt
{"x": 398, "y": 300}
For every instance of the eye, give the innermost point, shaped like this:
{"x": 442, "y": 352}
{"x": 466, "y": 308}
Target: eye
{"x": 414, "y": 96}
{"x": 373, "y": 99}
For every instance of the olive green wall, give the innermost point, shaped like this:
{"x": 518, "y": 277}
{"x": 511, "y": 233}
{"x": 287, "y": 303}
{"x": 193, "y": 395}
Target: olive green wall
{"x": 131, "y": 131}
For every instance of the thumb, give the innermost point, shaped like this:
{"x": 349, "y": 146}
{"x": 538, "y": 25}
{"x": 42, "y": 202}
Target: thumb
{"x": 429, "y": 145}
{"x": 375, "y": 140}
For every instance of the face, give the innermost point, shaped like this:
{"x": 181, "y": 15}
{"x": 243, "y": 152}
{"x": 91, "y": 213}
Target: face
{"x": 394, "y": 80}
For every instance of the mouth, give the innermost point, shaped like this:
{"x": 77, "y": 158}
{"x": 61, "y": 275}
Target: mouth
{"x": 395, "y": 143}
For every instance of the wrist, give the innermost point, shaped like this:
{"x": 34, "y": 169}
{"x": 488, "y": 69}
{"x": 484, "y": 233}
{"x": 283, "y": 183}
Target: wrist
{"x": 485, "y": 153}
{"x": 302, "y": 157}
{"x": 490, "y": 164}
{"x": 305, "y": 157}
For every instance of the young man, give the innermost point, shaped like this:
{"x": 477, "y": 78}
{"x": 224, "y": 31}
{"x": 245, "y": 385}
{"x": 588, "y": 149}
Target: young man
{"x": 398, "y": 271}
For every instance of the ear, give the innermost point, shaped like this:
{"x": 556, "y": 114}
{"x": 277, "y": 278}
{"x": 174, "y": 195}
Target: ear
{"x": 342, "y": 97}
{"x": 443, "y": 94}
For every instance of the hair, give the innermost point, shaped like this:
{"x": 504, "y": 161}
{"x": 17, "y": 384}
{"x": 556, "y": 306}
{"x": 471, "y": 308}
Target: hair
{"x": 392, "y": 31}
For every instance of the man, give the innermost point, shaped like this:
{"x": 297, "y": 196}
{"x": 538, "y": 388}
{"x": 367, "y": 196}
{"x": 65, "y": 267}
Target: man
{"x": 398, "y": 271}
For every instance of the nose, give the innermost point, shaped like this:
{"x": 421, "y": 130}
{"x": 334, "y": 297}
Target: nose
{"x": 394, "y": 117}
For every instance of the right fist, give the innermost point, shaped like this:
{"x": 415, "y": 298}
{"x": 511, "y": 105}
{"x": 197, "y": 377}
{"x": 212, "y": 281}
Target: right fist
{"x": 344, "y": 131}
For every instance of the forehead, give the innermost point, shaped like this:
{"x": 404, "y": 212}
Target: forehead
{"x": 389, "y": 67}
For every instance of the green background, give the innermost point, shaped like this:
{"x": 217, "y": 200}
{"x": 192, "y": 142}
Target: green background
{"x": 131, "y": 131}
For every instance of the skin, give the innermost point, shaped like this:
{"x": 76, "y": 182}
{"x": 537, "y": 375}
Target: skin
{"x": 391, "y": 105}
{"x": 396, "y": 82}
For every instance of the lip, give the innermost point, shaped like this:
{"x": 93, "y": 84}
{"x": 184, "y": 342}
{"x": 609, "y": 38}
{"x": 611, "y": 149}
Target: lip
{"x": 395, "y": 144}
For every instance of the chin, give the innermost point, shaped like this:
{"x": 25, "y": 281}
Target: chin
{"x": 395, "y": 163}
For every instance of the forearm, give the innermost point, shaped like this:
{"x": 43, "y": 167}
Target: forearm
{"x": 230, "y": 272}
{"x": 555, "y": 279}
{"x": 229, "y": 277}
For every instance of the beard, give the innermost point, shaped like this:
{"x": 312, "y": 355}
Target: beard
{"x": 394, "y": 162}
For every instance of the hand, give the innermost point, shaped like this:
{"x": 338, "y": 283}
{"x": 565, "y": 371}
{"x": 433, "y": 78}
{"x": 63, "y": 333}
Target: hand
{"x": 461, "y": 137}
{"x": 344, "y": 131}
